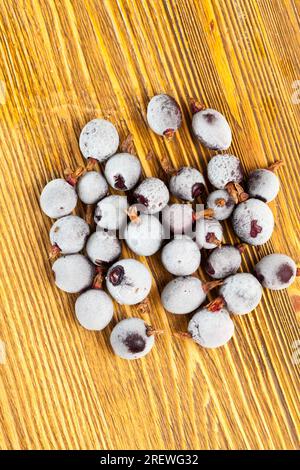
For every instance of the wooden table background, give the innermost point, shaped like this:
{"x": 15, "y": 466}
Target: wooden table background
{"x": 64, "y": 63}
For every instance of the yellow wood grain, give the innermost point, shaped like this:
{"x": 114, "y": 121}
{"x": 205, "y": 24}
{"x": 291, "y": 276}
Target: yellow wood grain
{"x": 63, "y": 63}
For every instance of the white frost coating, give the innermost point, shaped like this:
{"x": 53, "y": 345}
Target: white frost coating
{"x": 144, "y": 236}
{"x": 212, "y": 129}
{"x": 135, "y": 284}
{"x": 163, "y": 114}
{"x": 224, "y": 169}
{"x": 223, "y": 262}
{"x": 183, "y": 295}
{"x": 276, "y": 271}
{"x": 181, "y": 256}
{"x": 99, "y": 139}
{"x": 69, "y": 234}
{"x": 110, "y": 213}
{"x": 253, "y": 222}
{"x": 211, "y": 329}
{"x": 178, "y": 219}
{"x": 73, "y": 273}
{"x": 187, "y": 183}
{"x": 123, "y": 171}
{"x": 263, "y": 184}
{"x": 152, "y": 195}
{"x": 205, "y": 227}
{"x": 220, "y": 212}
{"x": 242, "y": 293}
{"x": 124, "y": 335}
{"x": 103, "y": 247}
{"x": 92, "y": 187}
{"x": 58, "y": 198}
{"x": 94, "y": 309}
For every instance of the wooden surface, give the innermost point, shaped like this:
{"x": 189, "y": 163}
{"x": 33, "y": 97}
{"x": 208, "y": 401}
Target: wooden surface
{"x": 64, "y": 63}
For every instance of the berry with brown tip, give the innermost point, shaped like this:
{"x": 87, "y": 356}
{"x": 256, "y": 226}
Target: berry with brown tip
{"x": 253, "y": 222}
{"x": 99, "y": 139}
{"x": 132, "y": 338}
{"x": 152, "y": 195}
{"x": 211, "y": 329}
{"x": 164, "y": 115}
{"x": 209, "y": 233}
{"x": 224, "y": 261}
{"x": 187, "y": 184}
{"x": 264, "y": 184}
{"x": 221, "y": 203}
{"x": 68, "y": 234}
{"x": 276, "y": 271}
{"x": 211, "y": 128}
{"x": 123, "y": 171}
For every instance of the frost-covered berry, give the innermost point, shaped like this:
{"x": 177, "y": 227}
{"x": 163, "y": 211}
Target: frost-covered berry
{"x": 58, "y": 198}
{"x": 92, "y": 187}
{"x": 103, "y": 248}
{"x": 224, "y": 261}
{"x": 224, "y": 169}
{"x": 253, "y": 222}
{"x": 264, "y": 184}
{"x": 110, "y": 213}
{"x": 128, "y": 281}
{"x": 99, "y": 139}
{"x": 94, "y": 309}
{"x": 181, "y": 256}
{"x": 68, "y": 234}
{"x": 276, "y": 271}
{"x": 123, "y": 171}
{"x": 187, "y": 184}
{"x": 221, "y": 203}
{"x": 164, "y": 115}
{"x": 211, "y": 329}
{"x": 183, "y": 295}
{"x": 241, "y": 293}
{"x": 211, "y": 128}
{"x": 73, "y": 273}
{"x": 152, "y": 195}
{"x": 209, "y": 233}
{"x": 132, "y": 338}
{"x": 144, "y": 235}
{"x": 178, "y": 219}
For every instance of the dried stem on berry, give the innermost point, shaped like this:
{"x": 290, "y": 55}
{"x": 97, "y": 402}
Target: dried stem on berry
{"x": 91, "y": 164}
{"x": 196, "y": 106}
{"x": 98, "y": 280}
{"x": 298, "y": 272}
{"x": 54, "y": 252}
{"x": 133, "y": 214}
{"x": 236, "y": 191}
{"x": 167, "y": 166}
{"x": 89, "y": 215}
{"x": 211, "y": 238}
{"x": 150, "y": 331}
{"x": 216, "y": 304}
{"x": 127, "y": 145}
{"x": 211, "y": 285}
{"x": 72, "y": 176}
{"x": 144, "y": 307}
{"x": 241, "y": 247}
{"x": 274, "y": 167}
{"x": 169, "y": 134}
{"x": 205, "y": 214}
{"x": 182, "y": 334}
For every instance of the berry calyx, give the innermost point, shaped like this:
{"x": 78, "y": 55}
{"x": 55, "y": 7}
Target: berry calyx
{"x": 211, "y": 238}
{"x": 116, "y": 275}
{"x": 216, "y": 304}
{"x": 169, "y": 134}
{"x": 73, "y": 176}
{"x": 196, "y": 106}
{"x": 236, "y": 191}
{"x": 54, "y": 252}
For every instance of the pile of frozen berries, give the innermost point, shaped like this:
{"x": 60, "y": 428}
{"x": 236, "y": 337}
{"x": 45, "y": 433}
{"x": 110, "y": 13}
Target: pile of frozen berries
{"x": 144, "y": 217}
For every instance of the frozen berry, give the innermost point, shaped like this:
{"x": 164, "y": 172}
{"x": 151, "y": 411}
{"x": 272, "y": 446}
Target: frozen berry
{"x": 73, "y": 273}
{"x": 110, "y": 213}
{"x": 183, "y": 295}
{"x": 68, "y": 234}
{"x": 264, "y": 184}
{"x": 99, "y": 139}
{"x": 94, "y": 309}
{"x": 123, "y": 171}
{"x": 178, "y": 219}
{"x": 211, "y": 128}
{"x": 164, "y": 115}
{"x": 276, "y": 271}
{"x": 132, "y": 338}
{"x": 152, "y": 195}
{"x": 211, "y": 329}
{"x": 224, "y": 169}
{"x": 187, "y": 184}
{"x": 181, "y": 256}
{"x": 128, "y": 281}
{"x": 58, "y": 198}
{"x": 209, "y": 233}
{"x": 144, "y": 235}
{"x": 103, "y": 248}
{"x": 224, "y": 261}
{"x": 253, "y": 222}
{"x": 222, "y": 204}
{"x": 92, "y": 187}
{"x": 241, "y": 293}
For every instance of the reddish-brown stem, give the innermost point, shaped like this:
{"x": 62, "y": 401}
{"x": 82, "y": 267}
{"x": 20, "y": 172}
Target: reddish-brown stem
{"x": 237, "y": 193}
{"x": 150, "y": 331}
{"x": 150, "y": 155}
{"x": 205, "y": 214}
{"x": 127, "y": 145}
{"x": 144, "y": 307}
{"x": 220, "y": 202}
{"x": 169, "y": 134}
{"x": 73, "y": 176}
{"x": 207, "y": 286}
{"x": 196, "y": 106}
{"x": 167, "y": 166}
{"x": 89, "y": 214}
{"x": 211, "y": 238}
{"x": 182, "y": 334}
{"x": 298, "y": 272}
{"x": 274, "y": 167}
{"x": 91, "y": 164}
{"x": 216, "y": 304}
{"x": 241, "y": 247}
{"x": 54, "y": 252}
{"x": 98, "y": 280}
